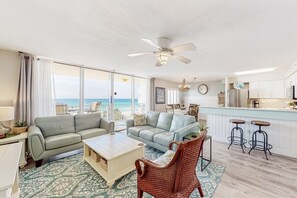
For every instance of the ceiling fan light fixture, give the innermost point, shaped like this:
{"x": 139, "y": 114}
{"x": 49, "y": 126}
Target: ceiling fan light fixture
{"x": 163, "y": 57}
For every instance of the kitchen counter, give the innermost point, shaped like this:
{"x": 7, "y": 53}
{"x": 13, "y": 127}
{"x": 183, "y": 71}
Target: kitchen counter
{"x": 266, "y": 113}
{"x": 282, "y": 131}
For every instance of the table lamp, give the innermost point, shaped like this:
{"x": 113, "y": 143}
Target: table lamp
{"x": 6, "y": 114}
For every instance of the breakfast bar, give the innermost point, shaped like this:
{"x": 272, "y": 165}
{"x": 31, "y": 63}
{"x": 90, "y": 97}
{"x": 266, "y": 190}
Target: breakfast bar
{"x": 282, "y": 130}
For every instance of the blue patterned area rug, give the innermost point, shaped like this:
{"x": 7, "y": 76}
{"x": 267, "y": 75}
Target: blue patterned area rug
{"x": 73, "y": 177}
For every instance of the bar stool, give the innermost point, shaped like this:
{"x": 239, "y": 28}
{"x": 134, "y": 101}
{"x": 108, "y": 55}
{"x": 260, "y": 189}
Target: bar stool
{"x": 237, "y": 140}
{"x": 260, "y": 145}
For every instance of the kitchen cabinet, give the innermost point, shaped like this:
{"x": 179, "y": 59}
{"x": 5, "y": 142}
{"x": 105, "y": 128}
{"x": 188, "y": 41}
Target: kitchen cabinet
{"x": 253, "y": 89}
{"x": 295, "y": 84}
{"x": 264, "y": 89}
{"x": 289, "y": 82}
{"x": 267, "y": 89}
{"x": 277, "y": 89}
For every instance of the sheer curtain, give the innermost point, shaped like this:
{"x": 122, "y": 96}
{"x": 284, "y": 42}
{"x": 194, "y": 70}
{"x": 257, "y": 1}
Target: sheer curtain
{"x": 43, "y": 88}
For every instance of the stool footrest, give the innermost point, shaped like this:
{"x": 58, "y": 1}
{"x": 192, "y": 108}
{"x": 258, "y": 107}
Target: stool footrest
{"x": 236, "y": 140}
{"x": 260, "y": 145}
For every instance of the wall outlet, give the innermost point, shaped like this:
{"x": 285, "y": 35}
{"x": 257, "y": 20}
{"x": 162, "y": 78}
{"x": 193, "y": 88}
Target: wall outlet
{"x": 249, "y": 131}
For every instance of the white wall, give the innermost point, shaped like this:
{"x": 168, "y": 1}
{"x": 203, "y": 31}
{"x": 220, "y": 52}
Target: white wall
{"x": 209, "y": 99}
{"x": 166, "y": 85}
{"x": 9, "y": 77}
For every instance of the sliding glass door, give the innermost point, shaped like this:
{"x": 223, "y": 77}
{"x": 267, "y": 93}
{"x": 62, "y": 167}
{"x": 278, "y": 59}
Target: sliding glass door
{"x": 96, "y": 92}
{"x": 122, "y": 97}
{"x": 83, "y": 90}
{"x": 67, "y": 89}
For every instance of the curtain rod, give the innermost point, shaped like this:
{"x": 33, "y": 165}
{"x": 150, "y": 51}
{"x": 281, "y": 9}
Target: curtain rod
{"x": 82, "y": 66}
{"x": 103, "y": 70}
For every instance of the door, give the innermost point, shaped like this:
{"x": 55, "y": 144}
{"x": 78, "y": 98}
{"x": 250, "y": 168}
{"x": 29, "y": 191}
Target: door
{"x": 122, "y": 97}
{"x": 96, "y": 91}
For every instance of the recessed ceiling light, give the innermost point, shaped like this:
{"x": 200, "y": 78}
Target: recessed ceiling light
{"x": 256, "y": 71}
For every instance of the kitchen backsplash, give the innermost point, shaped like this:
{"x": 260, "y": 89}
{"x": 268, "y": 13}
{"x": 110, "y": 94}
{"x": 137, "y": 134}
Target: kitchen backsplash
{"x": 272, "y": 103}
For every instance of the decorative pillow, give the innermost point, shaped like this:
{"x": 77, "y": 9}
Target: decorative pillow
{"x": 139, "y": 119}
{"x": 165, "y": 159}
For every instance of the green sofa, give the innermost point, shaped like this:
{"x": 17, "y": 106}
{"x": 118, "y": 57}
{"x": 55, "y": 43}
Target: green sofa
{"x": 59, "y": 134}
{"x": 162, "y": 128}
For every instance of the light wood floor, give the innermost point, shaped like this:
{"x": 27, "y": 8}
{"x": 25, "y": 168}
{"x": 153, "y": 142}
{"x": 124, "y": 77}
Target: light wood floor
{"x": 254, "y": 176}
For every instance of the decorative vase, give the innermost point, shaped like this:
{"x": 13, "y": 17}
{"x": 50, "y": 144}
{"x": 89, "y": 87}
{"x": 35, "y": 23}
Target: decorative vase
{"x": 18, "y": 130}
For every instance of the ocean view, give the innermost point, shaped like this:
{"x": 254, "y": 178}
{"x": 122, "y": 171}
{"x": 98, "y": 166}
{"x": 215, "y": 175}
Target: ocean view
{"x": 121, "y": 104}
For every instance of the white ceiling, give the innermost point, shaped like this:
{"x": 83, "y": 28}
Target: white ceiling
{"x": 230, "y": 35}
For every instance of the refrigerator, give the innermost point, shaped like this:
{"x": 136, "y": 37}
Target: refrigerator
{"x": 238, "y": 97}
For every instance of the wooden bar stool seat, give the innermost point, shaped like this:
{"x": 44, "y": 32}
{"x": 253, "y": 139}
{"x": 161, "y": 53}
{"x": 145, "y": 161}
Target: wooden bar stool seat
{"x": 260, "y": 123}
{"x": 255, "y": 143}
{"x": 237, "y": 140}
{"x": 236, "y": 121}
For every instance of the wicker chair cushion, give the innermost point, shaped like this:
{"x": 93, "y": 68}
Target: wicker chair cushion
{"x": 139, "y": 119}
{"x": 165, "y": 159}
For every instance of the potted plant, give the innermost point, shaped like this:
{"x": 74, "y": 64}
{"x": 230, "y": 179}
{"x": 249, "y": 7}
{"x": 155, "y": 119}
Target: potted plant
{"x": 202, "y": 127}
{"x": 20, "y": 127}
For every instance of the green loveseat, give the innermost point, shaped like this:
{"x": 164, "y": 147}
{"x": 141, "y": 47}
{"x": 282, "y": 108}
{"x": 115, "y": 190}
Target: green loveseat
{"x": 59, "y": 134}
{"x": 162, "y": 128}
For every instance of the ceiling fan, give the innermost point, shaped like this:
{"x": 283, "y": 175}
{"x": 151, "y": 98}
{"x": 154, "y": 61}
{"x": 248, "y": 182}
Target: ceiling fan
{"x": 164, "y": 52}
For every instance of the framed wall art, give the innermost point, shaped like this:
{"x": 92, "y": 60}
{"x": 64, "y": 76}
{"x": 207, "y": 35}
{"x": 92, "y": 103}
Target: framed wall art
{"x": 160, "y": 95}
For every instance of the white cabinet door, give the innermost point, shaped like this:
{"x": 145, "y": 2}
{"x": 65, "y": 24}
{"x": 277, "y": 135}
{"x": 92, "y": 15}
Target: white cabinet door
{"x": 268, "y": 89}
{"x": 295, "y": 83}
{"x": 294, "y": 79}
{"x": 264, "y": 89}
{"x": 288, "y": 84}
{"x": 253, "y": 89}
{"x": 277, "y": 89}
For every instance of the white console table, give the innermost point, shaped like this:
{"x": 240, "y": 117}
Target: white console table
{"x": 9, "y": 170}
{"x": 18, "y": 138}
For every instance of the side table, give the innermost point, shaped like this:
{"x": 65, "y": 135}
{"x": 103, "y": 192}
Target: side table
{"x": 208, "y": 160}
{"x": 9, "y": 170}
{"x": 18, "y": 138}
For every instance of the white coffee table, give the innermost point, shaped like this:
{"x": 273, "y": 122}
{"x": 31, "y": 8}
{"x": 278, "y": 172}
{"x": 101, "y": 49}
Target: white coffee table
{"x": 112, "y": 155}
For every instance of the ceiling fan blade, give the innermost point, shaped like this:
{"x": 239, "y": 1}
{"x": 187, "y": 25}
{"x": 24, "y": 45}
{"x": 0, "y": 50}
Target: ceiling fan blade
{"x": 181, "y": 58}
{"x": 185, "y": 47}
{"x": 139, "y": 54}
{"x": 158, "y": 63}
{"x": 151, "y": 43}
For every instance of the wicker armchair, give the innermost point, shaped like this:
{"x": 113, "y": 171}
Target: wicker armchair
{"x": 176, "y": 179}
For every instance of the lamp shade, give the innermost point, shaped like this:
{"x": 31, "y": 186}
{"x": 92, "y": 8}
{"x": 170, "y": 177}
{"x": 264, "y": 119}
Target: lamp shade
{"x": 6, "y": 113}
